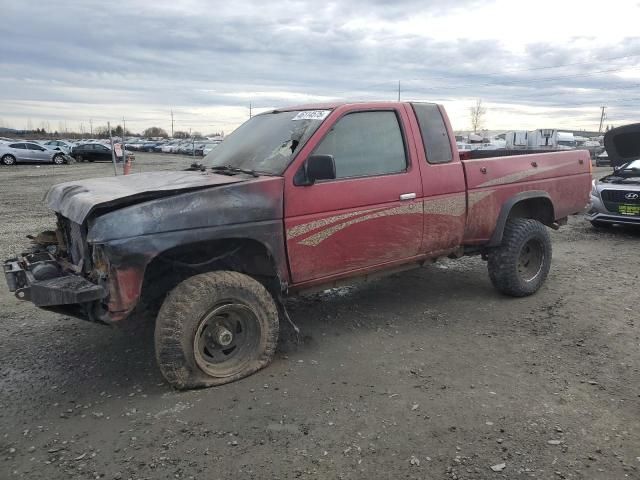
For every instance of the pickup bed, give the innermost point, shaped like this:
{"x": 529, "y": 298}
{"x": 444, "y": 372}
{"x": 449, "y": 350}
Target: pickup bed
{"x": 295, "y": 199}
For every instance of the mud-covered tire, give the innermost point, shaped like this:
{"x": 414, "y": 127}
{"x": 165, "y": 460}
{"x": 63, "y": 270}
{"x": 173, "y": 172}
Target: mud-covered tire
{"x": 520, "y": 265}
{"x": 8, "y": 160}
{"x": 190, "y": 307}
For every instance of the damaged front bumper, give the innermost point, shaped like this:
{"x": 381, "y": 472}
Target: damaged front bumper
{"x": 40, "y": 279}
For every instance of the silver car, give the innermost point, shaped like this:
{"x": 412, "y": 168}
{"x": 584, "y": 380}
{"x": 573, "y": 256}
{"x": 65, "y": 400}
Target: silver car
{"x": 12, "y": 153}
{"x": 59, "y": 145}
{"x": 615, "y": 198}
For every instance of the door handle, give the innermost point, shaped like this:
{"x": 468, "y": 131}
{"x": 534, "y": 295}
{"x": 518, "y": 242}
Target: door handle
{"x": 407, "y": 196}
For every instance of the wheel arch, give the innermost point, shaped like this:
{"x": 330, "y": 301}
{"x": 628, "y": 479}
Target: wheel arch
{"x": 172, "y": 265}
{"x": 534, "y": 204}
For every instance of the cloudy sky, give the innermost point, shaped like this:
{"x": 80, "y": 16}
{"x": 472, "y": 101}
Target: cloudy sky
{"x": 534, "y": 64}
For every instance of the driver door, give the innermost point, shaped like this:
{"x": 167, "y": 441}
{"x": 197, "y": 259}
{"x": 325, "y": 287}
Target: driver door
{"x": 370, "y": 214}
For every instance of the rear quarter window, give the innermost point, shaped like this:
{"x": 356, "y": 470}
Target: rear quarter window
{"x": 437, "y": 147}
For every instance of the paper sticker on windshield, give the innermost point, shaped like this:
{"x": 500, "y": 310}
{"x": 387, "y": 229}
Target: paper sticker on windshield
{"x": 312, "y": 115}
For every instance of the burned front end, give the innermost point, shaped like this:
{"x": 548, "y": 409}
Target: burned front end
{"x": 120, "y": 238}
{"x": 58, "y": 272}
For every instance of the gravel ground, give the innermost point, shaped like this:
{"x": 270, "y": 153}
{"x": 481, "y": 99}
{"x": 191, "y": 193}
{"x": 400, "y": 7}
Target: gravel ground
{"x": 427, "y": 374}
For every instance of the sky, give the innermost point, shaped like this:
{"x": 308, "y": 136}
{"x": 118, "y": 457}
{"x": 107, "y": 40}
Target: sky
{"x": 535, "y": 64}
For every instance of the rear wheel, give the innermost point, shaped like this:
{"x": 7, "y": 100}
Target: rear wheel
{"x": 521, "y": 264}
{"x": 8, "y": 160}
{"x": 215, "y": 328}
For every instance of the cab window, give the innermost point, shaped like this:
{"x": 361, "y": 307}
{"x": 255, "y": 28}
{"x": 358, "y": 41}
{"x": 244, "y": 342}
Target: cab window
{"x": 365, "y": 144}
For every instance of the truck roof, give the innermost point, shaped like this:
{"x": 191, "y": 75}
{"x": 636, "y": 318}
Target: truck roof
{"x": 333, "y": 105}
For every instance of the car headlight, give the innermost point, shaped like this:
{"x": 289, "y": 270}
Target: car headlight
{"x": 594, "y": 188}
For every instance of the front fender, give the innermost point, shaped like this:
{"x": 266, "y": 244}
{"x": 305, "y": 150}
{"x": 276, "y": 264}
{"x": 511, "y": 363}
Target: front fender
{"x": 128, "y": 258}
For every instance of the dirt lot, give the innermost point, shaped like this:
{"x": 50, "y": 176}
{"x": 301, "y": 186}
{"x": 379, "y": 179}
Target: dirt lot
{"x": 429, "y": 374}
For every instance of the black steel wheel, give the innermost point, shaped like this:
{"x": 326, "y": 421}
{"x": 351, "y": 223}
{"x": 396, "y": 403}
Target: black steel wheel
{"x": 531, "y": 260}
{"x": 520, "y": 265}
{"x": 225, "y": 339}
{"x": 215, "y": 328}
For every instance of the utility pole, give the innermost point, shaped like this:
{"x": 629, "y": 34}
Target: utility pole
{"x": 603, "y": 115}
{"x": 171, "y": 123}
{"x": 398, "y": 90}
{"x": 250, "y": 110}
{"x": 113, "y": 152}
{"x": 91, "y": 126}
{"x": 124, "y": 149}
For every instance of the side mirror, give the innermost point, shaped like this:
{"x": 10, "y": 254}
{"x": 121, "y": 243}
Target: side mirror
{"x": 319, "y": 167}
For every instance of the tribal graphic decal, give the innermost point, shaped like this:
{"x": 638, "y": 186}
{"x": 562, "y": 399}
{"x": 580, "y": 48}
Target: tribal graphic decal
{"x": 452, "y": 205}
{"x": 316, "y": 239}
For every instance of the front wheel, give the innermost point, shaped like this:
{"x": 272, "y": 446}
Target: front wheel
{"x": 521, "y": 264}
{"x": 58, "y": 160}
{"x": 8, "y": 160}
{"x": 215, "y": 328}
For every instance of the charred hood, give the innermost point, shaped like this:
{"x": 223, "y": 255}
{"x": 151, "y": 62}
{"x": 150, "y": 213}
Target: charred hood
{"x": 78, "y": 199}
{"x": 623, "y": 144}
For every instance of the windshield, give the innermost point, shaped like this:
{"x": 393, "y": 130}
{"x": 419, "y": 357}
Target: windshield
{"x": 267, "y": 142}
{"x": 635, "y": 165}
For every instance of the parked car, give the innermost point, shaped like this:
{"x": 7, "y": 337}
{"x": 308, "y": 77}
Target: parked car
{"x": 93, "y": 152}
{"x": 135, "y": 144}
{"x": 208, "y": 147}
{"x": 201, "y": 147}
{"x": 615, "y": 198}
{"x": 169, "y": 147}
{"x": 159, "y": 145}
{"x": 602, "y": 160}
{"x": 148, "y": 146}
{"x": 59, "y": 145}
{"x": 26, "y": 152}
{"x": 331, "y": 194}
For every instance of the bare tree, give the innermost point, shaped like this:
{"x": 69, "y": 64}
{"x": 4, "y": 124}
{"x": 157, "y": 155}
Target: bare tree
{"x": 477, "y": 115}
{"x": 155, "y": 132}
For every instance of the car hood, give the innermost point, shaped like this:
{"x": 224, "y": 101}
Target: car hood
{"x": 623, "y": 144}
{"x": 76, "y": 200}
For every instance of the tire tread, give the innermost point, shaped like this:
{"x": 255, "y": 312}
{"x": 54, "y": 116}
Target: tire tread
{"x": 502, "y": 264}
{"x": 175, "y": 321}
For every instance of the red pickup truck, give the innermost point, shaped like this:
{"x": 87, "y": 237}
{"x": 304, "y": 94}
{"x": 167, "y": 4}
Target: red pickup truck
{"x": 295, "y": 199}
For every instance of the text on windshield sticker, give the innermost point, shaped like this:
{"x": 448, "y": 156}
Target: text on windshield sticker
{"x": 312, "y": 115}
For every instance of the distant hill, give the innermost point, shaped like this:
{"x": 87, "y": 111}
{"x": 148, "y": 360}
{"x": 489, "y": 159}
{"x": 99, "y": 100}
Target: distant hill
{"x": 7, "y": 130}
